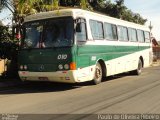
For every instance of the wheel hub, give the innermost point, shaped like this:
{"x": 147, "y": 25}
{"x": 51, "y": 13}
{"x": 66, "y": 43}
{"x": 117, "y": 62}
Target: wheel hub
{"x": 98, "y": 73}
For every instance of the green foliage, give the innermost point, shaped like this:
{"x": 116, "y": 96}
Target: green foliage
{"x": 83, "y": 4}
{"x": 8, "y": 47}
{"x": 119, "y": 10}
{"x": 9, "y": 50}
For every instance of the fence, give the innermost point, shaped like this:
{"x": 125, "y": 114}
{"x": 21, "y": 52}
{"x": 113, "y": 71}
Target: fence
{"x": 156, "y": 53}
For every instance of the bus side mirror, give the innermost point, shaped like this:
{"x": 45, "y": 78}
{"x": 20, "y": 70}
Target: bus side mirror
{"x": 78, "y": 27}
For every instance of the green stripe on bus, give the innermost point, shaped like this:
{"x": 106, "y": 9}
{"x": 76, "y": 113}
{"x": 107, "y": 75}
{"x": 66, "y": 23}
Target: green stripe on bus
{"x": 105, "y": 52}
{"x": 84, "y": 56}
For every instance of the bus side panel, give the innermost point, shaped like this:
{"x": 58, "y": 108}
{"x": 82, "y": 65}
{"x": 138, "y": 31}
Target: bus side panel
{"x": 84, "y": 68}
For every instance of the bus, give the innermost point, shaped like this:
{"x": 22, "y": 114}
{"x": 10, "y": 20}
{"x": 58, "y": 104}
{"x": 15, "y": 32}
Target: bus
{"x": 75, "y": 45}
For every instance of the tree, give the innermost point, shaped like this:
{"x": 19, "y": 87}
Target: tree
{"x": 6, "y": 43}
{"x": 1, "y": 24}
{"x": 119, "y": 10}
{"x": 8, "y": 49}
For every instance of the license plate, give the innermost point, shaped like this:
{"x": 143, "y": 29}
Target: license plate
{"x": 43, "y": 78}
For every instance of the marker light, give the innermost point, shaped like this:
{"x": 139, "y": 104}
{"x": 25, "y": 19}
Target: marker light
{"x": 66, "y": 66}
{"x": 21, "y": 67}
{"x": 60, "y": 66}
{"x": 25, "y": 67}
{"x": 72, "y": 66}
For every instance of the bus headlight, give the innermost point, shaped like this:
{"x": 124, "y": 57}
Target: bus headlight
{"x": 25, "y": 67}
{"x": 21, "y": 67}
{"x": 66, "y": 66}
{"x": 60, "y": 66}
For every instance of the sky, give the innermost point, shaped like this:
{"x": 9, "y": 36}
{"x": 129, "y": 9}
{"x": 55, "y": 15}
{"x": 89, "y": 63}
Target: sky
{"x": 148, "y": 9}
{"x": 6, "y": 16}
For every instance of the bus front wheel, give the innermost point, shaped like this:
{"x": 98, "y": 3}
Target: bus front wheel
{"x": 138, "y": 71}
{"x": 98, "y": 74}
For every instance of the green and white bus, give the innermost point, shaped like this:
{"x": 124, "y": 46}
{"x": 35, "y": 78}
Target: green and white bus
{"x": 74, "y": 45}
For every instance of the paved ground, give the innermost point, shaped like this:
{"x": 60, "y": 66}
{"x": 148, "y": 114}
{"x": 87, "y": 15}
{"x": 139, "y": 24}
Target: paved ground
{"x": 122, "y": 94}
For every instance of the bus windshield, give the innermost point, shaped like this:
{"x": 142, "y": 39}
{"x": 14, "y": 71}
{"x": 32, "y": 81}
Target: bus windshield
{"x": 57, "y": 32}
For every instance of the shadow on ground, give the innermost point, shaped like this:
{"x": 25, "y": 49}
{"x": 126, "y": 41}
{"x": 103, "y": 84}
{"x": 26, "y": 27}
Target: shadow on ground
{"x": 42, "y": 87}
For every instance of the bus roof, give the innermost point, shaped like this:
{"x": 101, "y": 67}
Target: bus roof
{"x": 75, "y": 13}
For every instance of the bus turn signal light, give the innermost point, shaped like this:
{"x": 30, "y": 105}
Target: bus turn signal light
{"x": 72, "y": 66}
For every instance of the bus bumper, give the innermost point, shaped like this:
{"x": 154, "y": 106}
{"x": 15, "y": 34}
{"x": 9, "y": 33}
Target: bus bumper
{"x": 59, "y": 76}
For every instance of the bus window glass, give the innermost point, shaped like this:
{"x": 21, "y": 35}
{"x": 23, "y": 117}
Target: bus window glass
{"x": 132, "y": 34}
{"x": 48, "y": 33}
{"x": 147, "y": 37}
{"x": 125, "y": 34}
{"x": 82, "y": 34}
{"x": 100, "y": 29}
{"x": 32, "y": 34}
{"x": 122, "y": 33}
{"x": 96, "y": 29}
{"x": 140, "y": 35}
{"x": 110, "y": 31}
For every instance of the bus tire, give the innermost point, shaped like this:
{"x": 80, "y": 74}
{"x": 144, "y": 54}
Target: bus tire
{"x": 138, "y": 71}
{"x": 98, "y": 75}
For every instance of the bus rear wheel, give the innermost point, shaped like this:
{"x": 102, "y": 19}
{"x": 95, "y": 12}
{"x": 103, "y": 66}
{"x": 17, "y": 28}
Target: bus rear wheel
{"x": 98, "y": 74}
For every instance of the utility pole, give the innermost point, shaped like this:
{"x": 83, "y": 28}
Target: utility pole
{"x": 150, "y": 28}
{"x": 0, "y": 2}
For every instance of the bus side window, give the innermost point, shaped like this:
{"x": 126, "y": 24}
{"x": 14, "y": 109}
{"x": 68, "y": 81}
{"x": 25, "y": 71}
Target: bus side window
{"x": 122, "y": 33}
{"x": 132, "y": 34}
{"x": 110, "y": 31}
{"x": 140, "y": 35}
{"x": 96, "y": 28}
{"x": 81, "y": 34}
{"x": 147, "y": 37}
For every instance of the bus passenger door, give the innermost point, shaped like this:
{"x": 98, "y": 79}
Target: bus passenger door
{"x": 83, "y": 59}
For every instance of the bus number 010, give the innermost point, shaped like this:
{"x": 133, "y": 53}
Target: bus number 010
{"x": 62, "y": 57}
